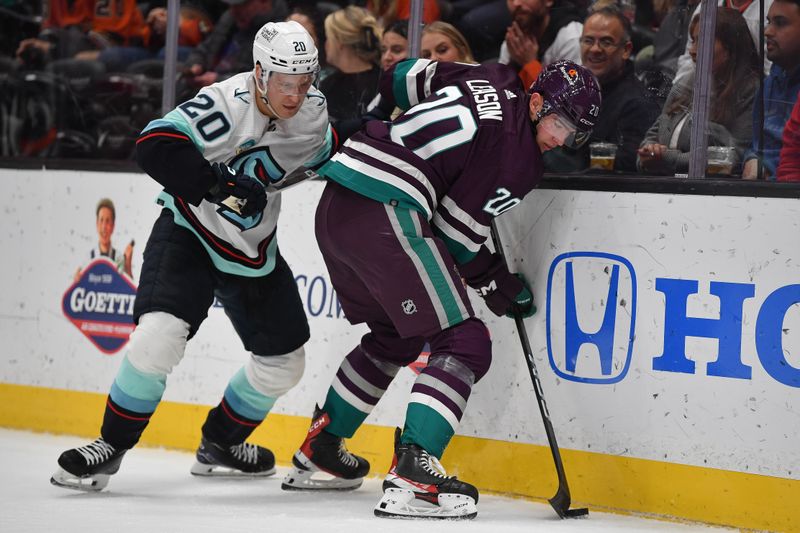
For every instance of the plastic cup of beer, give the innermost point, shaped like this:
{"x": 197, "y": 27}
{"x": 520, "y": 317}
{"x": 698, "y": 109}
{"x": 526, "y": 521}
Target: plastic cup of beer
{"x": 720, "y": 160}
{"x": 602, "y": 155}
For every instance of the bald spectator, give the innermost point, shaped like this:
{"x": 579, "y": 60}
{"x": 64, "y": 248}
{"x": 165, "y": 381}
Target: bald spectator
{"x": 628, "y": 107}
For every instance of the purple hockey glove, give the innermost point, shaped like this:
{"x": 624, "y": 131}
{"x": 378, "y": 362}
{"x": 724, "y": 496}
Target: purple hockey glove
{"x": 499, "y": 288}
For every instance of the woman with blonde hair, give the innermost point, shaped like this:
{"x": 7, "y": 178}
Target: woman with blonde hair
{"x": 352, "y": 48}
{"x": 443, "y": 42}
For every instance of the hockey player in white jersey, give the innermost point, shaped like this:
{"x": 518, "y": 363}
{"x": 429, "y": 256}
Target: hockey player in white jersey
{"x": 216, "y": 236}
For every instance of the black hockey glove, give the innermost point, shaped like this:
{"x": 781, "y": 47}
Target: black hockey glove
{"x": 249, "y": 192}
{"x": 500, "y": 289}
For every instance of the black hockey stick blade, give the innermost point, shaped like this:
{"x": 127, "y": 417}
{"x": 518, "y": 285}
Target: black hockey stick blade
{"x": 561, "y": 502}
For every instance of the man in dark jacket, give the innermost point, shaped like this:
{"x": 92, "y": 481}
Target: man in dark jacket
{"x": 629, "y": 109}
{"x": 228, "y": 49}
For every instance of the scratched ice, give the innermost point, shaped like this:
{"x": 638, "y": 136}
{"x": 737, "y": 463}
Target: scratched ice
{"x": 155, "y": 492}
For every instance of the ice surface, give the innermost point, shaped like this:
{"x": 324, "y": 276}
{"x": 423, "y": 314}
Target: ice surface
{"x": 154, "y": 492}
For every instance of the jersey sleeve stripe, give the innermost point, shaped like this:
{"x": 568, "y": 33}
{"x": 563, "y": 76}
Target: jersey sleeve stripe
{"x": 162, "y": 134}
{"x": 465, "y": 218}
{"x": 412, "y": 89}
{"x": 454, "y": 234}
{"x": 430, "y": 72}
{"x": 385, "y": 177}
{"x": 410, "y": 170}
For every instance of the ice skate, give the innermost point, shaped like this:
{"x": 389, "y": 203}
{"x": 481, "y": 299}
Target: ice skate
{"x": 88, "y": 468}
{"x": 418, "y": 487}
{"x": 240, "y": 460}
{"x": 323, "y": 462}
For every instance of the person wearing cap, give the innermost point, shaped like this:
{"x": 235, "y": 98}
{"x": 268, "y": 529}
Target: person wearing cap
{"x": 216, "y": 237}
{"x": 412, "y": 201}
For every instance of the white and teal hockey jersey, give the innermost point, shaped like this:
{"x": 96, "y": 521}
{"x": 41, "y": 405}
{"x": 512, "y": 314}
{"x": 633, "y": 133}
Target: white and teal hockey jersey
{"x": 224, "y": 124}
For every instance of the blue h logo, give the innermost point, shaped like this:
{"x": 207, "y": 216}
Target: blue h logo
{"x": 616, "y": 298}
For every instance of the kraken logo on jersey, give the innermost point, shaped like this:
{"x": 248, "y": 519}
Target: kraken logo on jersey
{"x": 259, "y": 164}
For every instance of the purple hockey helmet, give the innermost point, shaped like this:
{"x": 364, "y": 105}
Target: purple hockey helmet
{"x": 571, "y": 91}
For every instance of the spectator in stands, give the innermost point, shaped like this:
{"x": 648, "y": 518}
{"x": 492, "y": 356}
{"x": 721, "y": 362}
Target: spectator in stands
{"x": 542, "y": 31}
{"x": 441, "y": 41}
{"x": 228, "y": 49}
{"x": 789, "y": 165}
{"x": 735, "y": 66}
{"x": 669, "y": 42}
{"x": 311, "y": 18}
{"x": 394, "y": 43}
{"x": 194, "y": 26}
{"x": 80, "y": 28}
{"x": 483, "y": 23}
{"x": 750, "y": 10}
{"x": 352, "y": 47}
{"x": 780, "y": 88}
{"x": 628, "y": 108}
{"x": 386, "y": 12}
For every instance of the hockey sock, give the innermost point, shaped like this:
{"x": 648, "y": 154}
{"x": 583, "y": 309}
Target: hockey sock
{"x": 356, "y": 388}
{"x": 438, "y": 399}
{"x": 133, "y": 398}
{"x": 241, "y": 410}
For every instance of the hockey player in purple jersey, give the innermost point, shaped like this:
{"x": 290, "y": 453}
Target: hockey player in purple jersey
{"x": 403, "y": 219}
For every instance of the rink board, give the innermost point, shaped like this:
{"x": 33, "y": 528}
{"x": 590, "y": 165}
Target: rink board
{"x": 682, "y": 402}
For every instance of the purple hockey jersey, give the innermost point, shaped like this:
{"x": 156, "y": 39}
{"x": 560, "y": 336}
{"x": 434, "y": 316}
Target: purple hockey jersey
{"x": 464, "y": 151}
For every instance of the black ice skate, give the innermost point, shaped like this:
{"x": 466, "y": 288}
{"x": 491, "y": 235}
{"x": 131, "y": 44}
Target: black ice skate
{"x": 324, "y": 453}
{"x": 88, "y": 467}
{"x": 234, "y": 461}
{"x": 418, "y": 487}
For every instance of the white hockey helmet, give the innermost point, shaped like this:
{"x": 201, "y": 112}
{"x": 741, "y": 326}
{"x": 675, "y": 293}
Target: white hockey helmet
{"x": 284, "y": 47}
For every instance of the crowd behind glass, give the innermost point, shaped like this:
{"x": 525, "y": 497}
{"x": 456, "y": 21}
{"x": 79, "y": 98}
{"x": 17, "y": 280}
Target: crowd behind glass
{"x": 81, "y": 78}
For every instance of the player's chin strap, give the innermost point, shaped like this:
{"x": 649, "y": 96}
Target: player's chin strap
{"x": 263, "y": 95}
{"x": 269, "y": 106}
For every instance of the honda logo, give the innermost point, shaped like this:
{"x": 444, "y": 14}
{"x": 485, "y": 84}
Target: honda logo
{"x": 590, "y": 316}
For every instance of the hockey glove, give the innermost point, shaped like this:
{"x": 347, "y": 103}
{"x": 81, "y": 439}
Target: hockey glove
{"x": 500, "y": 289}
{"x": 523, "y": 301}
{"x": 249, "y": 192}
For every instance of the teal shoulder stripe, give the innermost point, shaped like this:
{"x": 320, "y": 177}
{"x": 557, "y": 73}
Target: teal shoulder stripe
{"x": 399, "y": 85}
{"x": 223, "y": 265}
{"x": 175, "y": 120}
{"x": 324, "y": 152}
{"x": 368, "y": 186}
{"x": 460, "y": 252}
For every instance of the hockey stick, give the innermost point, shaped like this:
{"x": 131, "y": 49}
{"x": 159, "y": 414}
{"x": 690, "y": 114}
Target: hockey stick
{"x": 562, "y": 500}
{"x": 295, "y": 177}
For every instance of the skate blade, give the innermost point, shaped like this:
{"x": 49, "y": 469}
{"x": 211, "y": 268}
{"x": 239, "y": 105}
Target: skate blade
{"x": 90, "y": 483}
{"x": 204, "y": 470}
{"x": 402, "y": 503}
{"x": 299, "y": 479}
